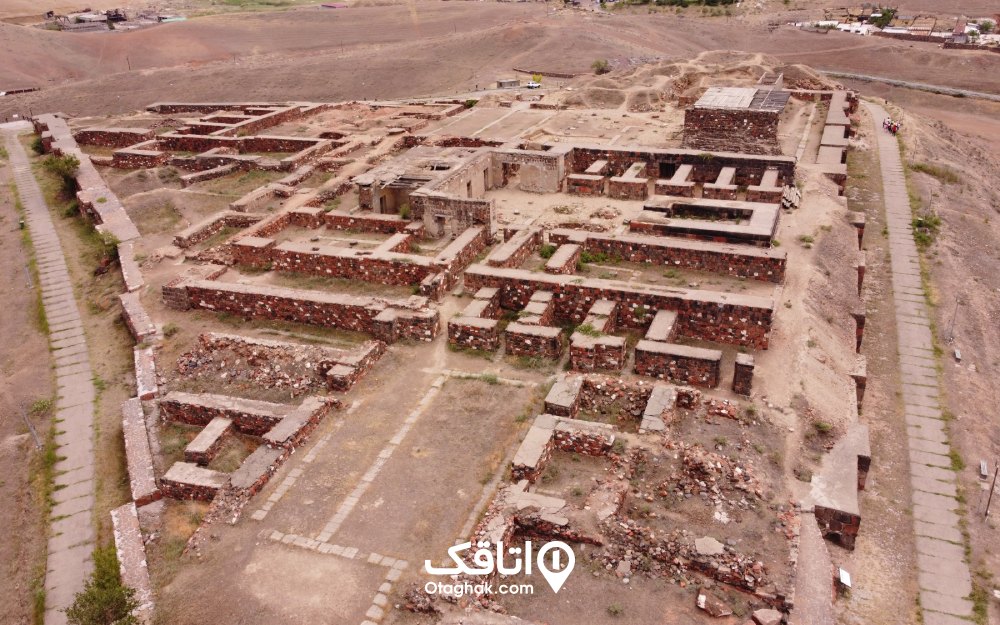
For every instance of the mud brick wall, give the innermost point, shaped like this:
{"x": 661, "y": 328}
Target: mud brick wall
{"x": 522, "y": 340}
{"x": 622, "y": 189}
{"x": 689, "y": 369}
{"x": 750, "y": 167}
{"x": 474, "y": 333}
{"x": 249, "y": 417}
{"x": 591, "y": 354}
{"x": 309, "y": 155}
{"x": 743, "y": 374}
{"x": 766, "y": 266}
{"x": 113, "y": 137}
{"x": 277, "y": 144}
{"x": 197, "y": 143}
{"x": 752, "y": 132}
{"x": 839, "y": 526}
{"x": 564, "y": 259}
{"x": 737, "y": 323}
{"x": 386, "y": 320}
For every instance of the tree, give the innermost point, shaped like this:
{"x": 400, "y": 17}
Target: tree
{"x": 986, "y": 27}
{"x": 104, "y": 600}
{"x": 600, "y": 66}
{"x": 536, "y": 78}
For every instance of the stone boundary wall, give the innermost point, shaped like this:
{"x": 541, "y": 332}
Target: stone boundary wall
{"x": 113, "y": 137}
{"x": 516, "y": 249}
{"x": 549, "y": 433}
{"x": 131, "y": 550}
{"x": 145, "y": 373}
{"x": 767, "y": 265}
{"x": 706, "y": 165}
{"x": 95, "y": 198}
{"x": 208, "y": 174}
{"x": 137, "y": 320}
{"x": 705, "y": 315}
{"x": 477, "y": 327}
{"x": 386, "y": 320}
{"x": 948, "y": 45}
{"x": 533, "y": 341}
{"x": 206, "y": 229}
{"x": 743, "y": 375}
{"x": 564, "y": 260}
{"x": 249, "y": 416}
{"x": 138, "y": 456}
{"x": 679, "y": 363}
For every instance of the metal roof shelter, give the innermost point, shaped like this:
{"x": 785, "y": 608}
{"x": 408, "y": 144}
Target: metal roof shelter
{"x": 749, "y": 98}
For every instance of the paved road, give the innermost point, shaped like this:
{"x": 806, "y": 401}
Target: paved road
{"x": 943, "y": 574}
{"x": 72, "y": 531}
{"x": 921, "y": 86}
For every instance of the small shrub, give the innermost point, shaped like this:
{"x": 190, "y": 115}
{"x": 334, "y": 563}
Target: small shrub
{"x": 170, "y": 329}
{"x": 104, "y": 600}
{"x": 588, "y": 330}
{"x": 470, "y": 103}
{"x": 547, "y": 251}
{"x": 404, "y": 211}
{"x": 600, "y": 66}
{"x": 822, "y": 427}
{"x": 37, "y": 147}
{"x": 615, "y": 609}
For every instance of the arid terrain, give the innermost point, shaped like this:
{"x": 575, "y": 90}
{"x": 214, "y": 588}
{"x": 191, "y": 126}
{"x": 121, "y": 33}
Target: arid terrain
{"x": 423, "y": 439}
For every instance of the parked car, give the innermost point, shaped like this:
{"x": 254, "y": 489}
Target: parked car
{"x": 533, "y": 85}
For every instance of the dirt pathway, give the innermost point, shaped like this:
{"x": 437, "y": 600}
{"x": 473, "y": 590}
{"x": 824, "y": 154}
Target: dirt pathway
{"x": 943, "y": 575}
{"x": 72, "y": 537}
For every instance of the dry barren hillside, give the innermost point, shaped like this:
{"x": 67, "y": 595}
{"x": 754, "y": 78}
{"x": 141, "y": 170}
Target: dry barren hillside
{"x": 414, "y": 49}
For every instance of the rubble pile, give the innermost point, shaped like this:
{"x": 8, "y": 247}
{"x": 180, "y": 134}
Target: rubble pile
{"x": 677, "y": 556}
{"x": 248, "y": 363}
{"x": 710, "y": 476}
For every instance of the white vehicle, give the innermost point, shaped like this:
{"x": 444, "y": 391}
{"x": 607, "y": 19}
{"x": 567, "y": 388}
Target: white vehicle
{"x": 533, "y": 85}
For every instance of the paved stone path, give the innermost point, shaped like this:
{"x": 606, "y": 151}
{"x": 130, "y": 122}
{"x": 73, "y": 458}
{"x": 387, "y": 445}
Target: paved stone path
{"x": 943, "y": 574}
{"x": 72, "y": 533}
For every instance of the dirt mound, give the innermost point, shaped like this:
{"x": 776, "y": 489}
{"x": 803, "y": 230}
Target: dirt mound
{"x": 604, "y": 98}
{"x": 804, "y": 77}
{"x": 644, "y": 100}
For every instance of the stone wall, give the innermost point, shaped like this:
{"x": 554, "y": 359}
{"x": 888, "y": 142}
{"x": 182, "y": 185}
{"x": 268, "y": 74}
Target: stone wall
{"x": 208, "y": 228}
{"x": 680, "y": 363}
{"x": 838, "y": 526}
{"x": 564, "y": 260}
{"x": 474, "y": 333}
{"x": 516, "y": 249}
{"x": 112, "y": 137}
{"x": 386, "y": 320}
{"x": 705, "y": 315}
{"x": 750, "y": 167}
{"x": 766, "y": 265}
{"x": 248, "y": 416}
{"x": 138, "y": 456}
{"x": 533, "y": 341}
{"x": 131, "y": 551}
{"x": 743, "y": 374}
{"x": 748, "y": 131}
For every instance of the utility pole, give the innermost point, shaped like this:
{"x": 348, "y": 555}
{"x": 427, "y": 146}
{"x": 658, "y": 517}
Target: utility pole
{"x": 993, "y": 486}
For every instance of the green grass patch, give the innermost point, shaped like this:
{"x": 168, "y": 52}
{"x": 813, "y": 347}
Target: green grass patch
{"x": 944, "y": 174}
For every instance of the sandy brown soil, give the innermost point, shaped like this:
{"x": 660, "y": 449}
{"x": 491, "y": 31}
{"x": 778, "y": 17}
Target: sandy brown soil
{"x": 427, "y": 48}
{"x": 26, "y": 388}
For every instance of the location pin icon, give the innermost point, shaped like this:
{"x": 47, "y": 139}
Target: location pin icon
{"x": 563, "y": 561}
